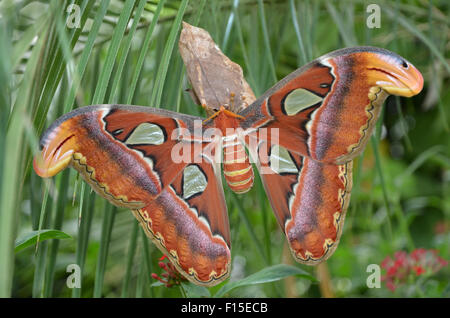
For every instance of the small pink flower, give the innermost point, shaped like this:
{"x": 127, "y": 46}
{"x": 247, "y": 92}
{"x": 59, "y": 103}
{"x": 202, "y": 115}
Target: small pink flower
{"x": 392, "y": 270}
{"x": 403, "y": 266}
{"x": 418, "y": 253}
{"x": 171, "y": 276}
{"x": 419, "y": 270}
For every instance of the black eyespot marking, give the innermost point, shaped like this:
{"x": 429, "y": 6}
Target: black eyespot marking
{"x": 404, "y": 64}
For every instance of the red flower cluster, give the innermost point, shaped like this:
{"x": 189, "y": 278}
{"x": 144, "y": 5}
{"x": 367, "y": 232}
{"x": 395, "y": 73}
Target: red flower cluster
{"x": 418, "y": 262}
{"x": 171, "y": 276}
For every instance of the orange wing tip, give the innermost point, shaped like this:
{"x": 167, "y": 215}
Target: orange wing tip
{"x": 47, "y": 167}
{"x": 56, "y": 154}
{"x": 394, "y": 75}
{"x": 413, "y": 83}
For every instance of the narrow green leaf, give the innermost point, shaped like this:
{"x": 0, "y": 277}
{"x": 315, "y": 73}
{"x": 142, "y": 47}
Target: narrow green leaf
{"x": 119, "y": 30}
{"x": 248, "y": 65}
{"x": 23, "y": 44}
{"x": 125, "y": 49}
{"x": 344, "y": 31}
{"x": 270, "y": 59}
{"x": 147, "y": 258}
{"x": 303, "y": 57}
{"x": 266, "y": 275}
{"x": 143, "y": 52}
{"x": 58, "y": 55}
{"x": 11, "y": 170}
{"x": 84, "y": 230}
{"x": 250, "y": 230}
{"x": 31, "y": 238}
{"x": 229, "y": 26}
{"x": 84, "y": 58}
{"x": 130, "y": 259}
{"x": 107, "y": 225}
{"x": 57, "y": 225}
{"x": 168, "y": 49}
{"x": 41, "y": 248}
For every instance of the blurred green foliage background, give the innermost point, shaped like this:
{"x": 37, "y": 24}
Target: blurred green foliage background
{"x": 126, "y": 52}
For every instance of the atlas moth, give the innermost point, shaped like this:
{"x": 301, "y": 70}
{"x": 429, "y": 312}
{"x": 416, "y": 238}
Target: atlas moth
{"x": 302, "y": 134}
